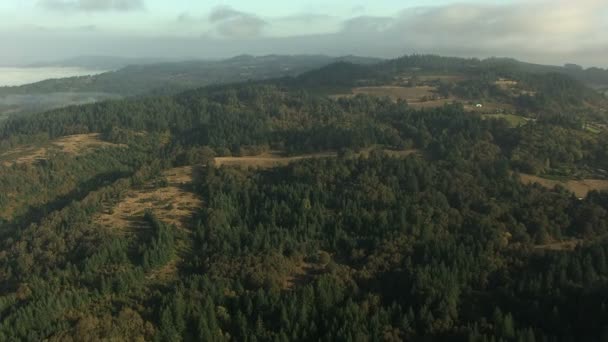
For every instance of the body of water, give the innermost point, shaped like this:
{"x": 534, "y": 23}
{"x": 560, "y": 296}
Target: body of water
{"x": 21, "y": 76}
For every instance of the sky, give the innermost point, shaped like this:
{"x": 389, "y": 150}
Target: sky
{"x": 543, "y": 31}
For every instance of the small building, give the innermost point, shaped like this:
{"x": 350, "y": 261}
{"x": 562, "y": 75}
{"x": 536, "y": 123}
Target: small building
{"x": 479, "y": 105}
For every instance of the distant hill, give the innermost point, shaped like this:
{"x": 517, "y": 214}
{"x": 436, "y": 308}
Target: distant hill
{"x": 146, "y": 77}
{"x": 498, "y": 85}
{"x": 177, "y": 76}
{"x": 100, "y": 62}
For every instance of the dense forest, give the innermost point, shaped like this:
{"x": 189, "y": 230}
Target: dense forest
{"x": 367, "y": 243}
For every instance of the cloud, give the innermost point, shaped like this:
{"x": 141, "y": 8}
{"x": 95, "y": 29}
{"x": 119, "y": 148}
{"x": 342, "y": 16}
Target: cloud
{"x": 92, "y": 5}
{"x": 530, "y": 28}
{"x": 230, "y": 23}
{"x": 540, "y": 31}
{"x": 224, "y": 13}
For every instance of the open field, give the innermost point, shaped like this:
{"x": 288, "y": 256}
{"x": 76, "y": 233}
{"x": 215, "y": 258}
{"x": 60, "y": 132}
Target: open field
{"x": 277, "y": 159}
{"x": 568, "y": 245}
{"x": 595, "y": 128}
{"x": 446, "y": 78}
{"x": 580, "y": 188}
{"x": 413, "y": 94}
{"x": 173, "y": 204}
{"x": 512, "y": 119}
{"x": 417, "y": 97}
{"x": 268, "y": 160}
{"x": 431, "y": 103}
{"x": 73, "y": 144}
{"x": 422, "y": 97}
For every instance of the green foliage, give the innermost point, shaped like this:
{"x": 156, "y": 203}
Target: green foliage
{"x": 446, "y": 244}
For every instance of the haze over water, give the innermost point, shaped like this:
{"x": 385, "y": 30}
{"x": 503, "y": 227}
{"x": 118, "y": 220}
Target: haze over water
{"x": 19, "y": 76}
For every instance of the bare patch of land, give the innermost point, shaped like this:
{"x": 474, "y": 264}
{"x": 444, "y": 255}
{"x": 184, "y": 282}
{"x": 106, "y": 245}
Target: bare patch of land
{"x": 580, "y": 188}
{"x": 73, "y": 144}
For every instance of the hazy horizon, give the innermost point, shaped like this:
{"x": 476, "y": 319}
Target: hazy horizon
{"x": 546, "y": 32}
{"x": 16, "y": 76}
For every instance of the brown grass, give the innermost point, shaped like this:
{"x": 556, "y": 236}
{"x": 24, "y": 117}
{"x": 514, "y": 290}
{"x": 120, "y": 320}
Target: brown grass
{"x": 276, "y": 159}
{"x": 568, "y": 245}
{"x": 81, "y": 143}
{"x": 73, "y": 144}
{"x": 174, "y": 204}
{"x": 268, "y": 160}
{"x": 580, "y": 188}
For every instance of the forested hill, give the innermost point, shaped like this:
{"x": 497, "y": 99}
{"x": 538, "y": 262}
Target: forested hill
{"x": 501, "y": 85}
{"x": 154, "y": 79}
{"x": 373, "y": 204}
{"x": 173, "y": 77}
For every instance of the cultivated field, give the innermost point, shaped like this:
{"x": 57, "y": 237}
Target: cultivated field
{"x": 580, "y": 188}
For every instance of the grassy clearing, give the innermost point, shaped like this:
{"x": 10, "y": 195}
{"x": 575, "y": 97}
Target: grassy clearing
{"x": 418, "y": 97}
{"x": 580, "y": 188}
{"x": 594, "y": 128}
{"x": 410, "y": 94}
{"x": 268, "y": 160}
{"x": 173, "y": 204}
{"x": 73, "y": 144}
{"x": 561, "y": 246}
{"x": 512, "y": 119}
{"x": 277, "y": 159}
{"x": 424, "y": 97}
{"x": 445, "y": 78}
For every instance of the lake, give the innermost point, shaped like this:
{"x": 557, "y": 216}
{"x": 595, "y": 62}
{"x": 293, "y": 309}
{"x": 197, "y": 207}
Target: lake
{"x": 20, "y": 76}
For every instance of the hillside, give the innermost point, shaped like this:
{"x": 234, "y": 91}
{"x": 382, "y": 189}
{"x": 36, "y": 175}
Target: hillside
{"x": 491, "y": 86}
{"x": 148, "y": 78}
{"x": 312, "y": 208}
